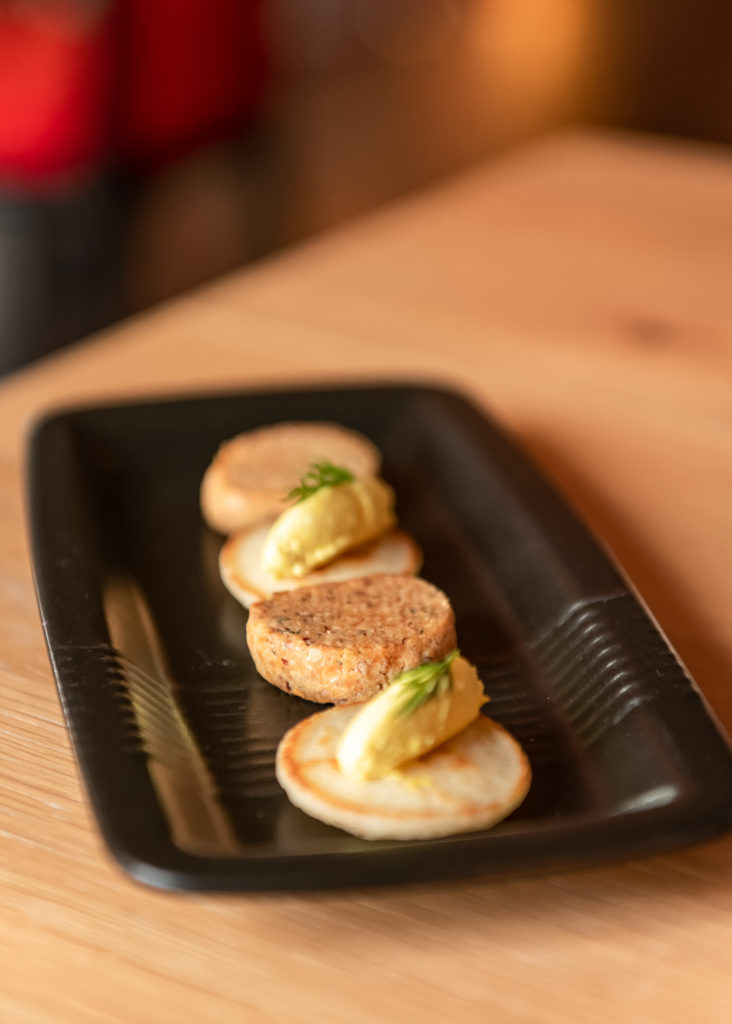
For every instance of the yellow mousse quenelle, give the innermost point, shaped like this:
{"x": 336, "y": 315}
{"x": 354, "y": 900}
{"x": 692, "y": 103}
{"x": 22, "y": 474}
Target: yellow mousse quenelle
{"x": 419, "y": 710}
{"x": 334, "y": 512}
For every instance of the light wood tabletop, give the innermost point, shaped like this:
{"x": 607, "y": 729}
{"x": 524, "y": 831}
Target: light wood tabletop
{"x": 580, "y": 290}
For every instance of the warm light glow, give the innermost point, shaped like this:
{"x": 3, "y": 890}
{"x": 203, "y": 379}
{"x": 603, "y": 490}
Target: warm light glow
{"x": 534, "y": 50}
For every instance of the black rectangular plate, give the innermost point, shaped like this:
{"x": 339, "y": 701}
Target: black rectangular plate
{"x": 175, "y": 732}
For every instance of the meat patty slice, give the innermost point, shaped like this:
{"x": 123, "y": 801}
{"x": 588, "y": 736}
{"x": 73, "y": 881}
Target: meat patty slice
{"x": 250, "y": 474}
{"x": 342, "y": 642}
{"x": 472, "y": 781}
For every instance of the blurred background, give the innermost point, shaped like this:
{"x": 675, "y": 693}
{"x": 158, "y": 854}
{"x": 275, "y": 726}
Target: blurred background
{"x": 147, "y": 146}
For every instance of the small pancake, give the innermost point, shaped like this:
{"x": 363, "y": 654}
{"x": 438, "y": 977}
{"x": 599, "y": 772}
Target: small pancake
{"x": 250, "y": 474}
{"x": 240, "y": 563}
{"x": 343, "y": 642}
{"x": 471, "y": 782}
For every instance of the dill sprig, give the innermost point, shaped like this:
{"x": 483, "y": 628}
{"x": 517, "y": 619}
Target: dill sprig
{"x": 320, "y": 474}
{"x": 423, "y": 683}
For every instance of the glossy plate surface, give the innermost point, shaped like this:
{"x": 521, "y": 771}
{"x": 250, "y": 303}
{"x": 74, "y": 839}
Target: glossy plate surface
{"x": 175, "y": 733}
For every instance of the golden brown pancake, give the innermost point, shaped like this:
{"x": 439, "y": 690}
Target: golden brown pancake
{"x": 250, "y": 475}
{"x": 471, "y": 782}
{"x": 240, "y": 563}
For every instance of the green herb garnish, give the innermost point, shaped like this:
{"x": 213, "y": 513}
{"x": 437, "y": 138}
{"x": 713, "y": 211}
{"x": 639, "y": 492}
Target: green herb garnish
{"x": 423, "y": 683}
{"x": 320, "y": 474}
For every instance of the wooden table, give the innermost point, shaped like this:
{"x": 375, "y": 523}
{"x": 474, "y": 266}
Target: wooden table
{"x": 581, "y": 290}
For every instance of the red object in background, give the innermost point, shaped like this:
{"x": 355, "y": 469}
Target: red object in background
{"x": 55, "y": 82}
{"x": 193, "y": 69}
{"x": 135, "y": 81}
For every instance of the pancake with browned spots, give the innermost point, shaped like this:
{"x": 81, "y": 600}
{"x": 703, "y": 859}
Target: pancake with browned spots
{"x": 472, "y": 781}
{"x": 244, "y": 575}
{"x": 250, "y": 475}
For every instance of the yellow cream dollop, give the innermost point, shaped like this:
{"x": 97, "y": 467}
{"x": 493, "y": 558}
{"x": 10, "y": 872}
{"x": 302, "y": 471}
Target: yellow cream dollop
{"x": 324, "y": 525}
{"x": 382, "y": 736}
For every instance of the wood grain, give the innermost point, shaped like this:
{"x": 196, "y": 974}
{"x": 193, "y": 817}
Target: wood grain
{"x": 580, "y": 291}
